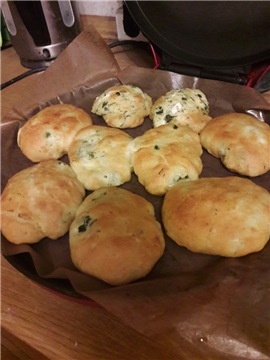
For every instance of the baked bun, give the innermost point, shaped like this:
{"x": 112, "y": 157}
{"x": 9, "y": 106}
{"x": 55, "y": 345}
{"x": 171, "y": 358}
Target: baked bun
{"x": 123, "y": 106}
{"x": 181, "y": 106}
{"x": 165, "y": 155}
{"x": 48, "y": 134}
{"x": 40, "y": 201}
{"x": 99, "y": 156}
{"x": 115, "y": 236}
{"x": 221, "y": 216}
{"x": 241, "y": 142}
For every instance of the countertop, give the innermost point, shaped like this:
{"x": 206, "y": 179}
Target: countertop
{"x": 39, "y": 324}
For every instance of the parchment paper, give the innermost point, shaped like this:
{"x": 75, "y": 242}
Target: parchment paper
{"x": 209, "y": 307}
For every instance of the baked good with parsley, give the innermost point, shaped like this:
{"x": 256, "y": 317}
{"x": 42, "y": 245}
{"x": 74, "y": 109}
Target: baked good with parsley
{"x": 165, "y": 155}
{"x": 115, "y": 236}
{"x": 226, "y": 216}
{"x": 241, "y": 141}
{"x": 99, "y": 156}
{"x": 49, "y": 133}
{"x": 183, "y": 107}
{"x": 40, "y": 201}
{"x": 123, "y": 106}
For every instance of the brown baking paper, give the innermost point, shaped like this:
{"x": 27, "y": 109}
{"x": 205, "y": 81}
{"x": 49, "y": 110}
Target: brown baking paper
{"x": 208, "y": 307}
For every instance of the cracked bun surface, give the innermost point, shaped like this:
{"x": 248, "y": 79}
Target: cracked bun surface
{"x": 183, "y": 107}
{"x": 241, "y": 141}
{"x": 165, "y": 155}
{"x": 123, "y": 106}
{"x": 40, "y": 201}
{"x": 49, "y": 133}
{"x": 99, "y": 155}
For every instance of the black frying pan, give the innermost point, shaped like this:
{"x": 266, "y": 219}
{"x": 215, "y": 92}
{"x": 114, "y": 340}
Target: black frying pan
{"x": 209, "y": 34}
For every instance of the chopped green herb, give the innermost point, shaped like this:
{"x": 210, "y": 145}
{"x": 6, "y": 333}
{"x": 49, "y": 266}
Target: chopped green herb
{"x": 159, "y": 111}
{"x": 104, "y": 104}
{"x": 175, "y": 127}
{"x": 86, "y": 222}
{"x": 156, "y": 147}
{"x": 168, "y": 118}
{"x": 47, "y": 134}
{"x": 91, "y": 155}
{"x": 118, "y": 93}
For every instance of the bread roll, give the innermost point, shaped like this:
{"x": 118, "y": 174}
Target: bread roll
{"x": 241, "y": 142}
{"x": 221, "y": 216}
{"x": 163, "y": 156}
{"x": 183, "y": 107}
{"x": 123, "y": 106}
{"x": 40, "y": 201}
{"x": 100, "y": 157}
{"x": 115, "y": 236}
{"x": 49, "y": 133}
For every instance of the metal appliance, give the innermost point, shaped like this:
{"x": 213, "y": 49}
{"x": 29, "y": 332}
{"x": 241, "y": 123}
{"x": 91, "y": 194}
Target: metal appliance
{"x": 40, "y": 30}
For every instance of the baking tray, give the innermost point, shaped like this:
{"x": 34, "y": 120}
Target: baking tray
{"x": 184, "y": 289}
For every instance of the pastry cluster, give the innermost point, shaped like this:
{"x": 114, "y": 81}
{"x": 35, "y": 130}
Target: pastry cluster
{"x": 113, "y": 233}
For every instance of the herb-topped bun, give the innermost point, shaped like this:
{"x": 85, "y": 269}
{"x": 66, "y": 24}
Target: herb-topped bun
{"x": 181, "y": 106}
{"x": 49, "y": 133}
{"x": 123, "y": 106}
{"x": 241, "y": 141}
{"x": 40, "y": 201}
{"x": 115, "y": 236}
{"x": 99, "y": 155}
{"x": 165, "y": 155}
{"x": 220, "y": 216}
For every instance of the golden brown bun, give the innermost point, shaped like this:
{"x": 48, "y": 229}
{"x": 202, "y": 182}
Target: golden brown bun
{"x": 183, "y": 107}
{"x": 99, "y": 156}
{"x": 165, "y": 155}
{"x": 48, "y": 134}
{"x": 222, "y": 216}
{"x": 241, "y": 142}
{"x": 40, "y": 201}
{"x": 115, "y": 236}
{"x": 123, "y": 106}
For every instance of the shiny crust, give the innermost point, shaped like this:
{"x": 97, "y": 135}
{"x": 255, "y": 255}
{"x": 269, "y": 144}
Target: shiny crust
{"x": 183, "y": 107}
{"x": 99, "y": 156}
{"x": 241, "y": 142}
{"x": 163, "y": 156}
{"x": 40, "y": 201}
{"x": 48, "y": 134}
{"x": 123, "y": 106}
{"x": 115, "y": 236}
{"x": 221, "y": 216}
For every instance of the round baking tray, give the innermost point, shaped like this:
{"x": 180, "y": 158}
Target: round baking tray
{"x": 24, "y": 264}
